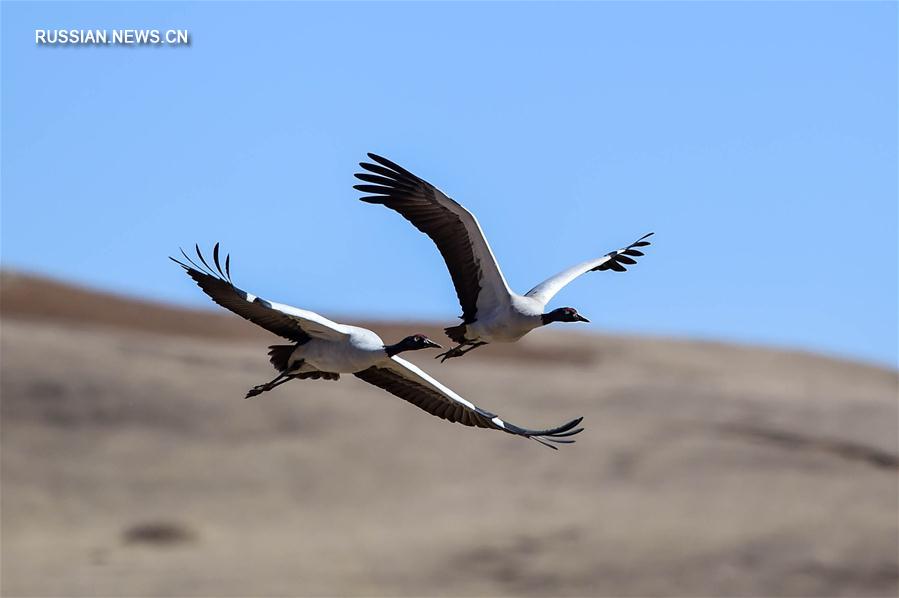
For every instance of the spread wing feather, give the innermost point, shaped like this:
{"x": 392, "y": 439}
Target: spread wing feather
{"x": 476, "y": 275}
{"x": 616, "y": 261}
{"x": 295, "y": 324}
{"x": 408, "y": 382}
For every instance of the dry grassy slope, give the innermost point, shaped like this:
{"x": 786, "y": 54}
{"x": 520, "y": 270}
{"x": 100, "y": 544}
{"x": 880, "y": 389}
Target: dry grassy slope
{"x": 131, "y": 466}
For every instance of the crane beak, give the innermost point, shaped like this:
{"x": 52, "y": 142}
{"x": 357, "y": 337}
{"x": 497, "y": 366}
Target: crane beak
{"x": 430, "y": 343}
{"x": 581, "y": 318}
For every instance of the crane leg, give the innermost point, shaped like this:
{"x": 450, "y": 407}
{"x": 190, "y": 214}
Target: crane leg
{"x": 261, "y": 388}
{"x": 457, "y": 351}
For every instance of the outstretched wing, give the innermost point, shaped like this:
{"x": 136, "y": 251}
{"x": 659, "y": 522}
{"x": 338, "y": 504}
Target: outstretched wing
{"x": 615, "y": 260}
{"x": 476, "y": 275}
{"x": 410, "y": 383}
{"x": 289, "y": 322}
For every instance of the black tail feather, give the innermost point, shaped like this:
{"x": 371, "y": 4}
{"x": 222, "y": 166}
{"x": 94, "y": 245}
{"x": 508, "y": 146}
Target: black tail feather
{"x": 279, "y": 356}
{"x": 316, "y": 375}
{"x": 456, "y": 333}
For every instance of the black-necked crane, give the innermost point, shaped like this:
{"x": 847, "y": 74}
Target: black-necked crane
{"x": 491, "y": 311}
{"x": 322, "y": 349}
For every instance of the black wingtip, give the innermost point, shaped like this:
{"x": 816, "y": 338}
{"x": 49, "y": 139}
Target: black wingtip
{"x": 194, "y": 268}
{"x": 194, "y": 264}
{"x": 396, "y": 168}
{"x": 620, "y": 258}
{"x": 570, "y": 433}
{"x": 380, "y": 199}
{"x": 180, "y": 263}
{"x": 380, "y": 159}
{"x": 544, "y": 443}
{"x": 557, "y": 440}
{"x": 372, "y": 189}
{"x": 641, "y": 242}
{"x": 558, "y": 435}
{"x": 218, "y": 264}
{"x": 565, "y": 427}
{"x": 203, "y": 260}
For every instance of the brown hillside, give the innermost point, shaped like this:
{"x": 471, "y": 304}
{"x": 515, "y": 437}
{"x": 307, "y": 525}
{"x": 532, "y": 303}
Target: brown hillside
{"x": 131, "y": 466}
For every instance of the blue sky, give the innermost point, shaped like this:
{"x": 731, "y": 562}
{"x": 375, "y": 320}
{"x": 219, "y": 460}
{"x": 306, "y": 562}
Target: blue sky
{"x": 758, "y": 140}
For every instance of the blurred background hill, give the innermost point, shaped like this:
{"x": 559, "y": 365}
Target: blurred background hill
{"x": 132, "y": 466}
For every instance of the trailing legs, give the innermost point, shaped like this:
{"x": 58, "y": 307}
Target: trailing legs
{"x": 458, "y": 352}
{"x": 281, "y": 378}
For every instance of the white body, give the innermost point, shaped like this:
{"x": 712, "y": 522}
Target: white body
{"x": 354, "y": 352}
{"x": 506, "y": 322}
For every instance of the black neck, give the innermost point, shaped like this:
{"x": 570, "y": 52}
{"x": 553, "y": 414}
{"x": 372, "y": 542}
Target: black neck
{"x": 392, "y": 350}
{"x": 548, "y": 318}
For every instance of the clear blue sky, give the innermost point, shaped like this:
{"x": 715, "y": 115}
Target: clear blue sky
{"x": 758, "y": 140}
